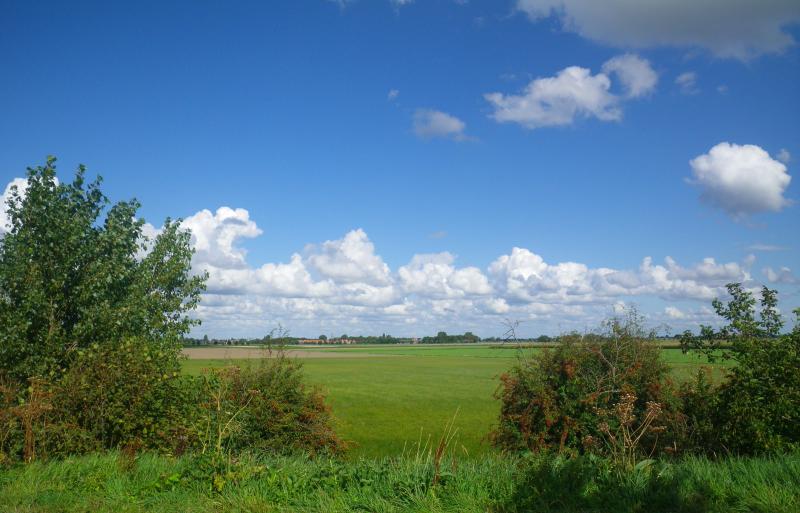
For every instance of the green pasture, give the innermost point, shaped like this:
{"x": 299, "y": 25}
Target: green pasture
{"x": 400, "y": 397}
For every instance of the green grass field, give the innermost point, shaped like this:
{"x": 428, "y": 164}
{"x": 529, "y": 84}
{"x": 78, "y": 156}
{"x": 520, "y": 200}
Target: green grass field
{"x": 399, "y": 396}
{"x": 114, "y": 483}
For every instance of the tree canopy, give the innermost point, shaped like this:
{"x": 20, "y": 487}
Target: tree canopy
{"x": 77, "y": 271}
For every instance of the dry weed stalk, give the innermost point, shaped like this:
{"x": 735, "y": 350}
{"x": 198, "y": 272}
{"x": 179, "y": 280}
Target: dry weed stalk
{"x": 624, "y": 440}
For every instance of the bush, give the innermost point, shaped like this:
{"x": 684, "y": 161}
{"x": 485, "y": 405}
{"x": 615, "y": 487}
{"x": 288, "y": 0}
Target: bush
{"x": 133, "y": 398}
{"x": 757, "y": 408}
{"x": 266, "y": 406}
{"x": 127, "y": 395}
{"x": 759, "y": 404}
{"x": 607, "y": 394}
{"x": 138, "y": 400}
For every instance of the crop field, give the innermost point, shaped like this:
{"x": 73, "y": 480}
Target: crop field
{"x": 391, "y": 399}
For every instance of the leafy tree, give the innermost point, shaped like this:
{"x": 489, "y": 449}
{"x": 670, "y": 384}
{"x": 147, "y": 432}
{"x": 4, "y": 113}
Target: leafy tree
{"x": 70, "y": 279}
{"x": 743, "y": 328}
{"x": 757, "y": 408}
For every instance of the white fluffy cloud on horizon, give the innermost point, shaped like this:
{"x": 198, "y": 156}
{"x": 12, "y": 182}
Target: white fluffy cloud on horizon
{"x": 345, "y": 285}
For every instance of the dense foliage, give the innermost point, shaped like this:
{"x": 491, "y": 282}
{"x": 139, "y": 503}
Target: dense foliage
{"x": 608, "y": 394}
{"x": 71, "y": 280}
{"x": 265, "y": 406}
{"x": 757, "y": 408}
{"x": 92, "y": 313}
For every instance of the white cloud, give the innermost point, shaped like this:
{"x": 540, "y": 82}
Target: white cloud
{"x": 741, "y": 180}
{"x": 350, "y": 259}
{"x": 434, "y": 275}
{"x": 215, "y": 235}
{"x": 674, "y": 313}
{"x": 574, "y": 93}
{"x": 344, "y": 285}
{"x": 354, "y": 289}
{"x": 552, "y": 101}
{"x": 393, "y": 94}
{"x": 784, "y": 156}
{"x": 20, "y": 184}
{"x": 429, "y": 124}
{"x": 687, "y": 82}
{"x": 782, "y": 275}
{"x": 637, "y": 76}
{"x": 728, "y": 28}
{"x": 524, "y": 276}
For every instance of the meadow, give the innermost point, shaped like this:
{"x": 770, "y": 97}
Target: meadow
{"x": 391, "y": 399}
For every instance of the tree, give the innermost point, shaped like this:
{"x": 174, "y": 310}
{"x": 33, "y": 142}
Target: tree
{"x": 70, "y": 279}
{"x": 757, "y": 408}
{"x": 323, "y": 337}
{"x": 743, "y": 329}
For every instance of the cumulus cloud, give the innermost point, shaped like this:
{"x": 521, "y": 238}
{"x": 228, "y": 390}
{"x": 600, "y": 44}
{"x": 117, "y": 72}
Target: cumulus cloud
{"x": 215, "y": 236}
{"x": 637, "y": 76}
{"x": 741, "y": 29}
{"x": 349, "y": 259}
{"x": 574, "y": 93}
{"x": 524, "y": 276}
{"x": 429, "y": 124}
{"x": 740, "y": 180}
{"x": 434, "y": 275}
{"x": 20, "y": 184}
{"x": 553, "y": 101}
{"x": 687, "y": 82}
{"x": 782, "y": 275}
{"x": 784, "y": 156}
{"x": 674, "y": 313}
{"x": 344, "y": 285}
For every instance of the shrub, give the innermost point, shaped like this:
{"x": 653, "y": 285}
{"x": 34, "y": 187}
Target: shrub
{"x": 582, "y": 394}
{"x": 128, "y": 395}
{"x": 266, "y": 406}
{"x": 759, "y": 404}
{"x": 138, "y": 398}
{"x": 757, "y": 408}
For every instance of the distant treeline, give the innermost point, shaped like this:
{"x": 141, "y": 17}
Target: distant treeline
{"x": 440, "y": 338}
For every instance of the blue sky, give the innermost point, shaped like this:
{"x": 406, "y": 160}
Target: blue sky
{"x": 374, "y": 125}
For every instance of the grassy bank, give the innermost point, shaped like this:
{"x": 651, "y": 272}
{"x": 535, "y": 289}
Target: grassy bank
{"x": 398, "y": 395}
{"x": 115, "y": 483}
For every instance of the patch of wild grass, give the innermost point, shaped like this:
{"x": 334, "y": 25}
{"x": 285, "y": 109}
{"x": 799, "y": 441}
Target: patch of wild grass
{"x": 118, "y": 483}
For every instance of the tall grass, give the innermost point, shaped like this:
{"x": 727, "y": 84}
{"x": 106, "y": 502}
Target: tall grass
{"x": 119, "y": 483}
